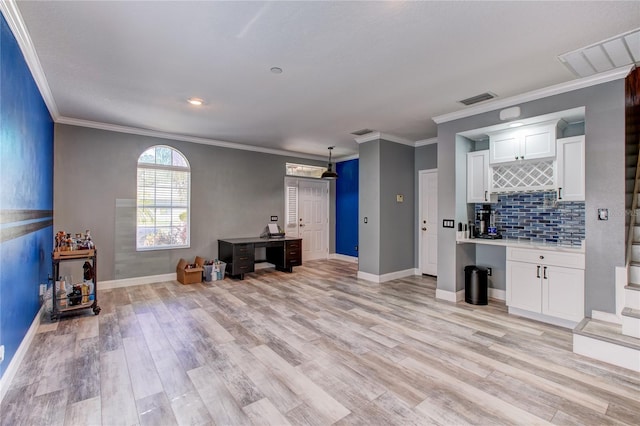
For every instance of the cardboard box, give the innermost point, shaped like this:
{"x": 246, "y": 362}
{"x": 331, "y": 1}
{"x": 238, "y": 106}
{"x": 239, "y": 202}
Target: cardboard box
{"x": 188, "y": 275}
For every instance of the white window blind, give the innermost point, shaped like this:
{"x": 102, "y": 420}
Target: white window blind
{"x": 292, "y": 206}
{"x": 163, "y": 199}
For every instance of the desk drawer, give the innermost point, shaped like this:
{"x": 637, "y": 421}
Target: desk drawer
{"x": 243, "y": 250}
{"x": 291, "y": 245}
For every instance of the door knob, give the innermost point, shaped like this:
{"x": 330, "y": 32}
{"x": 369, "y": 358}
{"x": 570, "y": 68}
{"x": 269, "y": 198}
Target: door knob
{"x": 424, "y": 229}
{"x": 302, "y": 224}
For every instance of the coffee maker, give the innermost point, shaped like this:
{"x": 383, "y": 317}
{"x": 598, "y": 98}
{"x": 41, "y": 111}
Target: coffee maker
{"x": 483, "y": 217}
{"x": 485, "y": 223}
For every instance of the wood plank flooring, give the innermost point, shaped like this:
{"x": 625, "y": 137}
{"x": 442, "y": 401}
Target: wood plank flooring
{"x": 316, "y": 347}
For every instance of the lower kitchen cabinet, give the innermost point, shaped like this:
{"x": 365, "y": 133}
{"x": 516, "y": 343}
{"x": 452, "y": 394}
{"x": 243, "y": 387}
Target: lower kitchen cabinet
{"x": 546, "y": 282}
{"x": 563, "y": 293}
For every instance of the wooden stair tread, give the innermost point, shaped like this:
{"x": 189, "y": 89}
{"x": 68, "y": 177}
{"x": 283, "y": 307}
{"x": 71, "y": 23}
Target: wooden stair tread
{"x": 630, "y": 312}
{"x": 607, "y": 332}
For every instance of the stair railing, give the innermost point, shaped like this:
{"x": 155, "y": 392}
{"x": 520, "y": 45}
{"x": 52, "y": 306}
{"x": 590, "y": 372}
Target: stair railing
{"x": 634, "y": 207}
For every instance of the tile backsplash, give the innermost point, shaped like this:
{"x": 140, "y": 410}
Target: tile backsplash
{"x": 539, "y": 217}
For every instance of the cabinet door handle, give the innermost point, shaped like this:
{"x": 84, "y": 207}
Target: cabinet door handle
{"x": 485, "y": 195}
{"x": 516, "y": 157}
{"x": 560, "y": 193}
{"x": 538, "y": 272}
{"x": 522, "y": 157}
{"x": 544, "y": 273}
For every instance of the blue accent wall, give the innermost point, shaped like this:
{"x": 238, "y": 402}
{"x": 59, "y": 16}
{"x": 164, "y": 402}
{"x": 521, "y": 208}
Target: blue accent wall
{"x": 26, "y": 195}
{"x": 347, "y": 208}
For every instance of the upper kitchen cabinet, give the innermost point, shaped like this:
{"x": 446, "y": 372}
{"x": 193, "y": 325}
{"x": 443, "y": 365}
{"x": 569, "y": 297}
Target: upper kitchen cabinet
{"x": 524, "y": 143}
{"x": 571, "y": 169}
{"x": 479, "y": 178}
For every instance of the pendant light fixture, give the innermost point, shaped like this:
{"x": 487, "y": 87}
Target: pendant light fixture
{"x": 330, "y": 174}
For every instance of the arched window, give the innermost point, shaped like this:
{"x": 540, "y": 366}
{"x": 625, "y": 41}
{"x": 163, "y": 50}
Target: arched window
{"x": 163, "y": 200}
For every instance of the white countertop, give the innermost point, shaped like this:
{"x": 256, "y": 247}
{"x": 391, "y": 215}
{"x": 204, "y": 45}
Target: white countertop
{"x": 512, "y": 242}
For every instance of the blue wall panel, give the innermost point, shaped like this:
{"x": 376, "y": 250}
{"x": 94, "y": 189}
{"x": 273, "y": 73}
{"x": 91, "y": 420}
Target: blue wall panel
{"x": 347, "y": 208}
{"x": 26, "y": 195}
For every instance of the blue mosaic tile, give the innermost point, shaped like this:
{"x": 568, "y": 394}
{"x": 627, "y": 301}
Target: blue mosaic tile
{"x": 538, "y": 216}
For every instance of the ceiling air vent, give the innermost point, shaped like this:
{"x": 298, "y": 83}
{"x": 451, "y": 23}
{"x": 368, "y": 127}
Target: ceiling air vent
{"x": 361, "y": 132}
{"x": 478, "y": 98}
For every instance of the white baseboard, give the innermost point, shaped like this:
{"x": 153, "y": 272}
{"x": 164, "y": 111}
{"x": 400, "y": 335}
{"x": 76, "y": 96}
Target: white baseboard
{"x": 386, "y": 277}
{"x": 605, "y": 316}
{"x": 450, "y": 296}
{"x": 17, "y": 359}
{"x": 128, "y": 282}
{"x": 344, "y": 257}
{"x": 544, "y": 318}
{"x": 622, "y": 356}
{"x": 497, "y": 294}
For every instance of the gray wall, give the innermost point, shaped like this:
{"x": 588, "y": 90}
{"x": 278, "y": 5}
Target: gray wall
{"x": 495, "y": 258}
{"x": 233, "y": 194}
{"x": 426, "y": 158}
{"x": 397, "y": 230}
{"x": 369, "y": 207}
{"x": 386, "y": 242}
{"x": 604, "y": 135}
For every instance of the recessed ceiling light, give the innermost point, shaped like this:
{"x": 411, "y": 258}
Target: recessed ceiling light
{"x": 276, "y": 70}
{"x": 195, "y": 101}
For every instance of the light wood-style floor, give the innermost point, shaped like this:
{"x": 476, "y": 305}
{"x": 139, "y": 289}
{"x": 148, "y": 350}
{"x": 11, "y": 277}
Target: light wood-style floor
{"x": 314, "y": 347}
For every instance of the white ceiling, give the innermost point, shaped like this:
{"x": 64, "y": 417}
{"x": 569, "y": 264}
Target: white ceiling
{"x": 386, "y": 66}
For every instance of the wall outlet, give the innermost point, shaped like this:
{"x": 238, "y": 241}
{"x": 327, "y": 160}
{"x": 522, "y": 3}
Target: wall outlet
{"x": 1, "y": 353}
{"x": 489, "y": 271}
{"x": 274, "y": 218}
{"x": 43, "y": 289}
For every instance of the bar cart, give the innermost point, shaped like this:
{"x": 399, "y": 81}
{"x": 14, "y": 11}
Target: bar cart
{"x": 74, "y": 297}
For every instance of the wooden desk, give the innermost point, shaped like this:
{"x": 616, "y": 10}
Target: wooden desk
{"x": 239, "y": 253}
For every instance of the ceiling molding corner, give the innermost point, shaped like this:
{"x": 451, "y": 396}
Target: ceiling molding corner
{"x": 386, "y": 136}
{"x": 183, "y": 138}
{"x": 557, "y": 89}
{"x": 10, "y": 11}
{"x": 347, "y": 158}
{"x": 424, "y": 142}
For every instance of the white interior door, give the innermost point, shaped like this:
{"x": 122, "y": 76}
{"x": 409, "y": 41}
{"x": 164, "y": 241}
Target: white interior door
{"x": 428, "y": 228}
{"x": 309, "y": 199}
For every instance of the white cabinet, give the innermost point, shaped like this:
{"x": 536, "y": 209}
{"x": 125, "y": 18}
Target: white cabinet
{"x": 570, "y": 169}
{"x": 523, "y": 143}
{"x": 546, "y": 282}
{"x": 478, "y": 178}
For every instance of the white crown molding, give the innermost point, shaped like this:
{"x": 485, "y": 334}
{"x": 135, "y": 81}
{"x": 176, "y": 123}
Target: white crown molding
{"x": 177, "y": 137}
{"x": 387, "y": 137}
{"x": 347, "y": 158}
{"x": 557, "y": 89}
{"x": 11, "y": 13}
{"x": 424, "y": 142}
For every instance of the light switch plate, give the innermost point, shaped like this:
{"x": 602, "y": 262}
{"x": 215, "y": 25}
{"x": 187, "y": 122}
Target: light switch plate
{"x": 448, "y": 223}
{"x": 274, "y": 218}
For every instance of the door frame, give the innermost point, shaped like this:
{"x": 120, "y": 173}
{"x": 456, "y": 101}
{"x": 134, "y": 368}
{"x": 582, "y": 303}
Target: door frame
{"x": 297, "y": 179}
{"x": 419, "y": 237}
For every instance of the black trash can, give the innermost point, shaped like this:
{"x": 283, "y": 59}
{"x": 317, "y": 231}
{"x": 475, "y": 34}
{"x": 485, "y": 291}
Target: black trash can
{"x": 475, "y": 285}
